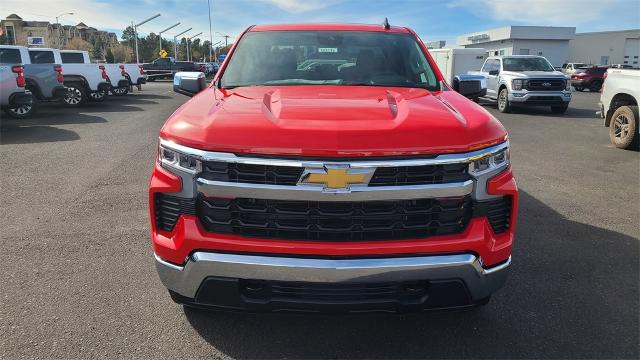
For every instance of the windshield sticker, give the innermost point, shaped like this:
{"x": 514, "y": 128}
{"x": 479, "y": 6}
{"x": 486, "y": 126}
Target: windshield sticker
{"x": 328, "y": 50}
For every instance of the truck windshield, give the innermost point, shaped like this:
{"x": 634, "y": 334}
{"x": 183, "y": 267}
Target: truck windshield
{"x": 526, "y": 64}
{"x": 329, "y": 58}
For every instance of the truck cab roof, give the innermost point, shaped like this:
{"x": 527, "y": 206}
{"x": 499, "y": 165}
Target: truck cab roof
{"x": 329, "y": 27}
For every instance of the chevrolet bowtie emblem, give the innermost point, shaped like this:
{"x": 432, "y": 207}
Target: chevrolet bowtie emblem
{"x": 336, "y": 178}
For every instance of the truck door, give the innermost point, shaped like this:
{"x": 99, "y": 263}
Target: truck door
{"x": 491, "y": 69}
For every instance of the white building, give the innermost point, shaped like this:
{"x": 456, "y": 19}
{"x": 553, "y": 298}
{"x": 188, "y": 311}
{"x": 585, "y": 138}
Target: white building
{"x": 551, "y": 42}
{"x": 607, "y": 47}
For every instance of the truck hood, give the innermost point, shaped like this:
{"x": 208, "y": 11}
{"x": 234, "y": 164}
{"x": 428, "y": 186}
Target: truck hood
{"x": 535, "y": 74}
{"x": 332, "y": 121}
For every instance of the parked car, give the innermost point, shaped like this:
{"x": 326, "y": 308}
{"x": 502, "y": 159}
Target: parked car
{"x": 570, "y": 68}
{"x": 588, "y": 78}
{"x": 13, "y": 94}
{"x": 44, "y": 81}
{"x": 335, "y": 188}
{"x": 620, "y": 66}
{"x": 165, "y": 68}
{"x": 619, "y": 107}
{"x": 115, "y": 75}
{"x": 82, "y": 80}
{"x": 525, "y": 80}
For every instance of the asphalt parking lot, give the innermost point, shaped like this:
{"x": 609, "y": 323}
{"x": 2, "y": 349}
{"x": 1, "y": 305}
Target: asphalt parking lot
{"x": 79, "y": 279}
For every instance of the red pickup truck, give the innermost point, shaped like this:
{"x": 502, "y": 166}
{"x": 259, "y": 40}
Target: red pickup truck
{"x": 329, "y": 167}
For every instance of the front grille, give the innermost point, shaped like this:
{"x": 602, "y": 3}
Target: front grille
{"x": 169, "y": 208}
{"x": 498, "y": 212}
{"x": 536, "y": 85}
{"x": 287, "y": 175}
{"x": 420, "y": 175}
{"x": 335, "y": 221}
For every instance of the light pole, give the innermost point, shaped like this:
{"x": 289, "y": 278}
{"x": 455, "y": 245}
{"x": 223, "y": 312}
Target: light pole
{"x": 214, "y": 51}
{"x": 189, "y": 40}
{"x": 57, "y": 22}
{"x": 135, "y": 32}
{"x": 175, "y": 42}
{"x": 210, "y": 33}
{"x": 160, "y": 34}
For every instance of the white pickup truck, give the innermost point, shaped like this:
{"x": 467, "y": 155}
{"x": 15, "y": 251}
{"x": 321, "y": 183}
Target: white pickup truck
{"x": 83, "y": 81}
{"x": 122, "y": 76}
{"x": 619, "y": 106}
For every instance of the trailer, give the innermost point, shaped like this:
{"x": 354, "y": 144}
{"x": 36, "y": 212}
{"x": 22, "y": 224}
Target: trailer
{"x": 453, "y": 62}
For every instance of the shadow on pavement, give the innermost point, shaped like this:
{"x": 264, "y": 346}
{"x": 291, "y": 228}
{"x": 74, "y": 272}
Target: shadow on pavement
{"x": 572, "y": 292}
{"x": 35, "y": 129}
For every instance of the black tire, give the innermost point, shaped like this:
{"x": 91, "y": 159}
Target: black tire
{"x": 120, "y": 91}
{"x": 23, "y": 111}
{"x": 503, "y": 101}
{"x": 559, "y": 109}
{"x": 623, "y": 130}
{"x": 98, "y": 96}
{"x": 595, "y": 86}
{"x": 151, "y": 79}
{"x": 578, "y": 88}
{"x": 75, "y": 95}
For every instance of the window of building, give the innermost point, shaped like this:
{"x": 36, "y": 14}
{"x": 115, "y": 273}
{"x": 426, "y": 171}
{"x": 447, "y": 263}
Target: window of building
{"x": 524, "y": 51}
{"x": 501, "y": 52}
{"x": 11, "y": 35}
{"x": 539, "y": 53}
{"x": 604, "y": 60}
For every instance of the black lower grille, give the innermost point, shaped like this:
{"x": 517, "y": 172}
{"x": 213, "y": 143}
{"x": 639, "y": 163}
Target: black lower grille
{"x": 169, "y": 208}
{"x": 335, "y": 221}
{"x": 498, "y": 212}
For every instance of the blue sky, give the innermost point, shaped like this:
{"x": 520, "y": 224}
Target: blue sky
{"x": 432, "y": 19}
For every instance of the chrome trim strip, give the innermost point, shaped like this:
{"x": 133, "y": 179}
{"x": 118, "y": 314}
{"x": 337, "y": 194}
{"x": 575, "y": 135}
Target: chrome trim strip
{"x": 187, "y": 279}
{"x": 232, "y": 158}
{"x": 317, "y": 193}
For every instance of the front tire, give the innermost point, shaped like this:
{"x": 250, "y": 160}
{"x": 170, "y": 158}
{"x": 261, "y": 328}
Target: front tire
{"x": 75, "y": 95}
{"x": 595, "y": 86}
{"x": 578, "y": 88}
{"x": 503, "y": 101}
{"x": 623, "y": 130}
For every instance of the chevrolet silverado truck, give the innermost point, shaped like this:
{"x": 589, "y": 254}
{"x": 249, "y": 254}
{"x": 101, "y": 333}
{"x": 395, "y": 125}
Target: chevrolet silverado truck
{"x": 83, "y": 81}
{"x": 361, "y": 184}
{"x": 115, "y": 74}
{"x": 13, "y": 94}
{"x": 121, "y": 76}
{"x": 619, "y": 107}
{"x": 166, "y": 68}
{"x": 525, "y": 80}
{"x": 43, "y": 81}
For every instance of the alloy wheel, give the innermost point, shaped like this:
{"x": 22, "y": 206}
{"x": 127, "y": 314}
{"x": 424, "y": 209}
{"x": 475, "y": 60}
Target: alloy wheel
{"x": 621, "y": 126}
{"x": 74, "y": 96}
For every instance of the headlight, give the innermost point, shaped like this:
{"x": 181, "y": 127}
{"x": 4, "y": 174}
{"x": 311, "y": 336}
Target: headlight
{"x": 179, "y": 161}
{"x": 489, "y": 163}
{"x": 517, "y": 84}
{"x": 567, "y": 85}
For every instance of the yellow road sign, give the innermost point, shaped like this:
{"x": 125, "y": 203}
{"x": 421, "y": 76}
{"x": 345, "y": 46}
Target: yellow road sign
{"x": 163, "y": 53}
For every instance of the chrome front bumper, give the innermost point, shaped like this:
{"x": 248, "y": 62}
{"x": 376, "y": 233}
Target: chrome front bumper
{"x": 185, "y": 280}
{"x": 526, "y": 96}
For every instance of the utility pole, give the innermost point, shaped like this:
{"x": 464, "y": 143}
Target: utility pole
{"x": 135, "y": 33}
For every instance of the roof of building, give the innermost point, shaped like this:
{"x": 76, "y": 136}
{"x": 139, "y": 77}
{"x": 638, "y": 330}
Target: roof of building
{"x": 14, "y": 16}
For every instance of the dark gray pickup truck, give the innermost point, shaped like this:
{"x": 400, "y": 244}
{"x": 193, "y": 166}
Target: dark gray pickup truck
{"x": 44, "y": 81}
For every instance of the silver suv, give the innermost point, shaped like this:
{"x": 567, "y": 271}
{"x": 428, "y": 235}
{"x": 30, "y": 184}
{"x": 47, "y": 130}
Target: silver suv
{"x": 524, "y": 80}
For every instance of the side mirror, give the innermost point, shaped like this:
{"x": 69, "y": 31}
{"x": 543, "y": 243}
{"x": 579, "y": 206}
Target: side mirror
{"x": 470, "y": 86}
{"x": 494, "y": 72}
{"x": 189, "y": 82}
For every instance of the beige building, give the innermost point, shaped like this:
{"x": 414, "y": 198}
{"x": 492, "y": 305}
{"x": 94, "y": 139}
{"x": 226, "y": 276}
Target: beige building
{"x": 18, "y": 31}
{"x": 606, "y": 48}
